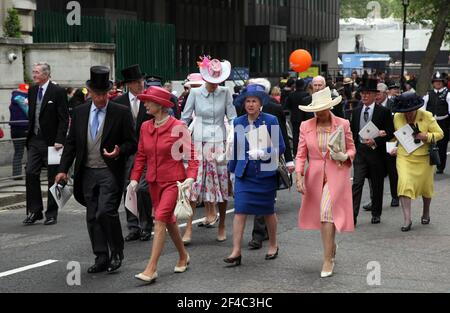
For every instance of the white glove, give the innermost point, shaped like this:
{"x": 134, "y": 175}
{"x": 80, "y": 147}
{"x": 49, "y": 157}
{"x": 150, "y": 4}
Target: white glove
{"x": 133, "y": 185}
{"x": 187, "y": 184}
{"x": 256, "y": 154}
{"x": 339, "y": 156}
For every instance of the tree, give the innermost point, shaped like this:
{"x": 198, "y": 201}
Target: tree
{"x": 11, "y": 26}
{"x": 438, "y": 12}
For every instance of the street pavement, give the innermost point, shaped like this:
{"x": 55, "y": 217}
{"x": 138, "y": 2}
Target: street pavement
{"x": 407, "y": 262}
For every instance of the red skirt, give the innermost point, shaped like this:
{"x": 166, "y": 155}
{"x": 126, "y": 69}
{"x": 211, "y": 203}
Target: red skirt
{"x": 164, "y": 199}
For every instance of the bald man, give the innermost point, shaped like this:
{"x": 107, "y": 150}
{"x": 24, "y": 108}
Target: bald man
{"x": 319, "y": 83}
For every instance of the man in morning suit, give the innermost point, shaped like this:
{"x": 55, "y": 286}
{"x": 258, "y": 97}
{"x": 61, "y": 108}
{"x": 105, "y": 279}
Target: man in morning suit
{"x": 370, "y": 161}
{"x": 49, "y": 120}
{"x": 139, "y": 228}
{"x": 101, "y": 138}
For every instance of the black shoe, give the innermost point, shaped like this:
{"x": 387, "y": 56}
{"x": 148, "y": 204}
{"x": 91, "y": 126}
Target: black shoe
{"x": 50, "y": 221}
{"x": 132, "y": 237}
{"x": 395, "y": 203}
{"x": 440, "y": 171}
{"x": 115, "y": 263}
{"x": 272, "y": 256}
{"x": 376, "y": 220}
{"x": 407, "y": 228}
{"x": 232, "y": 262}
{"x": 145, "y": 236}
{"x": 33, "y": 218}
{"x": 426, "y": 221}
{"x": 255, "y": 244}
{"x": 368, "y": 207}
{"x": 97, "y": 268}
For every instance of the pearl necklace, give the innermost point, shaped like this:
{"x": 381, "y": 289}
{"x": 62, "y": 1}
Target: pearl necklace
{"x": 162, "y": 122}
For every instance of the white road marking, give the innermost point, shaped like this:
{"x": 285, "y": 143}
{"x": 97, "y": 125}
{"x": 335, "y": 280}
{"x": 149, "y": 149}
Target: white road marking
{"x": 27, "y": 268}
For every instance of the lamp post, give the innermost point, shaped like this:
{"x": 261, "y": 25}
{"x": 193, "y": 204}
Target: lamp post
{"x": 405, "y": 11}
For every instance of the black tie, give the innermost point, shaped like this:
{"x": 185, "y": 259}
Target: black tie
{"x": 366, "y": 114}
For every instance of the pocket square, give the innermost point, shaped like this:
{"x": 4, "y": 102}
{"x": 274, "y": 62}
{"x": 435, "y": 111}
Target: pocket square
{"x": 50, "y": 102}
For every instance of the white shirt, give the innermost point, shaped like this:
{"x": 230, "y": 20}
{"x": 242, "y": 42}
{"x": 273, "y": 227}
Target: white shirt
{"x": 134, "y": 103}
{"x": 101, "y": 115}
{"x": 44, "y": 88}
{"x": 371, "y": 109}
{"x": 384, "y": 104}
{"x": 427, "y": 98}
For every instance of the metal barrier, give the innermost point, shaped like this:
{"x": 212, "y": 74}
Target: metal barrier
{"x": 12, "y": 162}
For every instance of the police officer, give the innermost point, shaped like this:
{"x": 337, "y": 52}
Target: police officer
{"x": 437, "y": 101}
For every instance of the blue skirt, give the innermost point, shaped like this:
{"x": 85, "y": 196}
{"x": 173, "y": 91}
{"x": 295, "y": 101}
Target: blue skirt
{"x": 254, "y": 195}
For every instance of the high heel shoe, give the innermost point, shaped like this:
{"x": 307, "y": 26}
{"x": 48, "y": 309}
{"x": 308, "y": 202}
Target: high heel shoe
{"x": 147, "y": 279}
{"x": 182, "y": 269}
{"x": 426, "y": 221}
{"x": 327, "y": 274}
{"x": 233, "y": 261}
{"x": 272, "y": 256}
{"x": 408, "y": 228}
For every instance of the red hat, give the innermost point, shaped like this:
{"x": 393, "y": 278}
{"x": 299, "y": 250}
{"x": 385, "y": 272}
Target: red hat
{"x": 24, "y": 87}
{"x": 157, "y": 95}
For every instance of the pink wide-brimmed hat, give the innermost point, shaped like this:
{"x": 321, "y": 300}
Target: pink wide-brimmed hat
{"x": 157, "y": 95}
{"x": 194, "y": 79}
{"x": 213, "y": 71}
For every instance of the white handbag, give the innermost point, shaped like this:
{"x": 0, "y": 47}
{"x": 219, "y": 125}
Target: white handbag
{"x": 183, "y": 209}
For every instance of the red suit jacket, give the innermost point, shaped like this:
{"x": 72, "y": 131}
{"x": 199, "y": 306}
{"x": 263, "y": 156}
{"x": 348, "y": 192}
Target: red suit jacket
{"x": 162, "y": 150}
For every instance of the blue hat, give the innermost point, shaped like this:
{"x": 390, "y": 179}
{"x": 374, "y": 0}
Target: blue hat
{"x": 407, "y": 102}
{"x": 258, "y": 91}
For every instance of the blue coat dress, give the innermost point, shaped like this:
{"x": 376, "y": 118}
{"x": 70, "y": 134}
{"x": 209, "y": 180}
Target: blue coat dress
{"x": 256, "y": 180}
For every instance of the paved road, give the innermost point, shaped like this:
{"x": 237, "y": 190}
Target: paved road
{"x": 413, "y": 262}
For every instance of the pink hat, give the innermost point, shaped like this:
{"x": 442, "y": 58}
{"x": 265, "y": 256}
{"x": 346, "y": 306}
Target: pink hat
{"x": 194, "y": 79}
{"x": 157, "y": 95}
{"x": 214, "y": 71}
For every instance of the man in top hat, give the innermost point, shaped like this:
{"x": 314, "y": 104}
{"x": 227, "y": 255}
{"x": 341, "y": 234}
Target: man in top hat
{"x": 370, "y": 161}
{"x": 101, "y": 138}
{"x": 49, "y": 119}
{"x": 140, "y": 228}
{"x": 437, "y": 101}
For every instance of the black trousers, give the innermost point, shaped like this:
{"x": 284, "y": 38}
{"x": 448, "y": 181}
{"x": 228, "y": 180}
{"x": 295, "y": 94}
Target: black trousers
{"x": 443, "y": 144}
{"x": 144, "y": 201}
{"x": 391, "y": 166}
{"x": 260, "y": 229}
{"x": 295, "y": 136}
{"x": 37, "y": 159}
{"x": 19, "y": 136}
{"x": 103, "y": 196}
{"x": 368, "y": 164}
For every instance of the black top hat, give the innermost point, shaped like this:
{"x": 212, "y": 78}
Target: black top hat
{"x": 407, "y": 102}
{"x": 369, "y": 84}
{"x": 132, "y": 73}
{"x": 438, "y": 77}
{"x": 100, "y": 79}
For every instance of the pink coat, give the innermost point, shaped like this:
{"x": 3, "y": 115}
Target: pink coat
{"x": 338, "y": 178}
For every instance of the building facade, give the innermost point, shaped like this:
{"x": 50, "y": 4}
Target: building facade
{"x": 258, "y": 34}
{"x": 25, "y": 9}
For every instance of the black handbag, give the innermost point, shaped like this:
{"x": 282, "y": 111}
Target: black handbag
{"x": 284, "y": 178}
{"x": 434, "y": 153}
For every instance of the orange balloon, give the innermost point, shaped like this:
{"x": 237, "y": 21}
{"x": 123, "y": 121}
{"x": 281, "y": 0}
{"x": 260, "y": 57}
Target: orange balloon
{"x": 300, "y": 60}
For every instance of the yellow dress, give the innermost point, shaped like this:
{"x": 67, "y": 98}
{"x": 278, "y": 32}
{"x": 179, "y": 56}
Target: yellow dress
{"x": 415, "y": 174}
